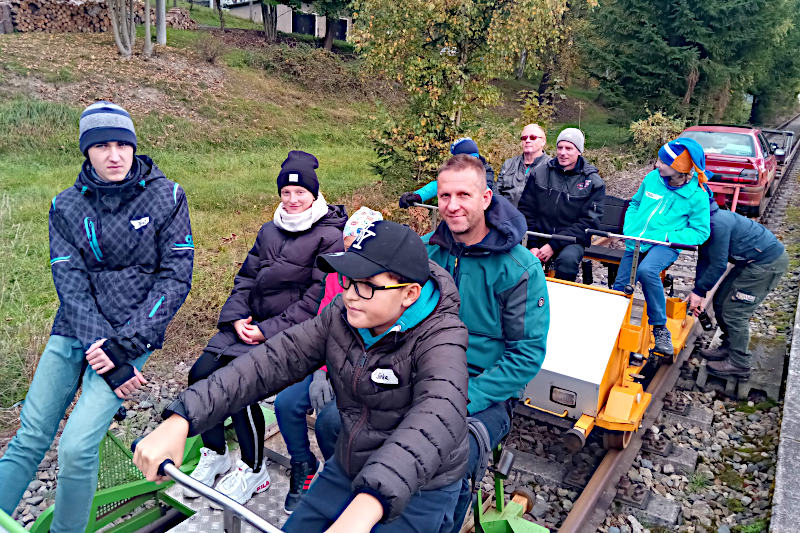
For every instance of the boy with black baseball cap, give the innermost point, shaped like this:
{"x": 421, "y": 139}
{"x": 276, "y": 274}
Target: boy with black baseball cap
{"x": 396, "y": 355}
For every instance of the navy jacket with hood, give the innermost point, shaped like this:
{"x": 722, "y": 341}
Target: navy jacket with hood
{"x": 121, "y": 256}
{"x": 735, "y": 239}
{"x": 504, "y": 304}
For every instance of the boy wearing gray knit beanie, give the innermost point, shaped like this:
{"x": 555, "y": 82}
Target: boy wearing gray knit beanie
{"x": 121, "y": 253}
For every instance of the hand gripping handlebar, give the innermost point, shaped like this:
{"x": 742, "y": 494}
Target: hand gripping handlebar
{"x": 233, "y": 512}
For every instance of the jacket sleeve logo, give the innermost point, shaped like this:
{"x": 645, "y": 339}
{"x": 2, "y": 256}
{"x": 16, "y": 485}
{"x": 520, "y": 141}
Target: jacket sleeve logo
{"x": 384, "y": 376}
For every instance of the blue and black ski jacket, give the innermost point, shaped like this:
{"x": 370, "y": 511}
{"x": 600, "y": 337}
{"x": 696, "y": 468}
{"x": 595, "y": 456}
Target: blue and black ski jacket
{"x": 121, "y": 256}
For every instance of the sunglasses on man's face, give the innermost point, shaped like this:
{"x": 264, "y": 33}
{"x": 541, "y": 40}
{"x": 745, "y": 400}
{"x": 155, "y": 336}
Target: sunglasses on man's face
{"x": 531, "y": 137}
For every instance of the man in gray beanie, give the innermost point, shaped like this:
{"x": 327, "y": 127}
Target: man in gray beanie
{"x": 563, "y": 197}
{"x": 121, "y": 252}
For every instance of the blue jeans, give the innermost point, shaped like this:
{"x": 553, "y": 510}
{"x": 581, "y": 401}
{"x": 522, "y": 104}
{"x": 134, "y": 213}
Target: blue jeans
{"x": 428, "y": 511}
{"x": 291, "y": 406}
{"x": 648, "y": 274}
{"x": 54, "y": 385}
{"x": 497, "y": 419}
{"x": 327, "y": 428}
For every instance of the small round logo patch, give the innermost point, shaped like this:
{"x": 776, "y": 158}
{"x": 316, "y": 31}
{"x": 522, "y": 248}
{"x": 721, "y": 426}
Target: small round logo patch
{"x": 541, "y": 302}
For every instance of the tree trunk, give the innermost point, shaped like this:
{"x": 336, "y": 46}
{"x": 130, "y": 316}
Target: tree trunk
{"x": 544, "y": 84}
{"x": 161, "y": 22}
{"x": 148, "y": 38}
{"x": 523, "y": 59}
{"x": 218, "y": 5}
{"x": 269, "y": 17}
{"x": 329, "y": 22}
{"x": 121, "y": 15}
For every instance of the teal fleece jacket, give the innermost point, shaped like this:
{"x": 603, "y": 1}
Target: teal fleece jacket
{"x": 657, "y": 212}
{"x": 504, "y": 304}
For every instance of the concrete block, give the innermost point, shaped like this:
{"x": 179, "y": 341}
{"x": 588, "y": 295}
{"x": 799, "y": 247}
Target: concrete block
{"x": 660, "y": 512}
{"x": 545, "y": 472}
{"x": 699, "y": 417}
{"x": 683, "y": 459}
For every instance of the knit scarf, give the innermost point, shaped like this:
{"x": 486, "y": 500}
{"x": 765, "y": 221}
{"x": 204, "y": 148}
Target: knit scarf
{"x": 297, "y": 222}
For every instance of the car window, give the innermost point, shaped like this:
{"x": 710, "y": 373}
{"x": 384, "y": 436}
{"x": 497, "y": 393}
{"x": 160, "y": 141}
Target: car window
{"x": 764, "y": 145}
{"x": 725, "y": 143}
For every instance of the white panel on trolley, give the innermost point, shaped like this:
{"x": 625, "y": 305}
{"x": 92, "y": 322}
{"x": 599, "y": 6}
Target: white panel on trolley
{"x": 584, "y": 325}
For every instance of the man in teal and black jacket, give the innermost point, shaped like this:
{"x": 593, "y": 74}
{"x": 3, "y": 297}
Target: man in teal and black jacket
{"x": 504, "y": 303}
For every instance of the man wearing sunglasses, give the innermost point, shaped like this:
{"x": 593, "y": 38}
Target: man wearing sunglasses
{"x": 516, "y": 170}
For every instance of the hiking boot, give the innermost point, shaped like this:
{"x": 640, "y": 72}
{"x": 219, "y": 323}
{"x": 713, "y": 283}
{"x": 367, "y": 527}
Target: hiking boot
{"x": 714, "y": 354}
{"x": 210, "y": 466}
{"x": 726, "y": 369}
{"x": 663, "y": 339}
{"x": 242, "y": 483}
{"x": 300, "y": 479}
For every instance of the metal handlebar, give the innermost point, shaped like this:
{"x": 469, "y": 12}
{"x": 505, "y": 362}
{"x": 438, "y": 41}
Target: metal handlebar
{"x": 233, "y": 512}
{"x": 675, "y": 245}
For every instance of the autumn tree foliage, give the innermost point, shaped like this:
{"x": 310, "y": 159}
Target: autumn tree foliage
{"x": 444, "y": 53}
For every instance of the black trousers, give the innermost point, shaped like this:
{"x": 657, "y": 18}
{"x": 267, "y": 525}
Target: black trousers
{"x": 249, "y": 422}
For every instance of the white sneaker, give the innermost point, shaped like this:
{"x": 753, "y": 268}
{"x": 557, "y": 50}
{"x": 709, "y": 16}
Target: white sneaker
{"x": 210, "y": 466}
{"x": 242, "y": 483}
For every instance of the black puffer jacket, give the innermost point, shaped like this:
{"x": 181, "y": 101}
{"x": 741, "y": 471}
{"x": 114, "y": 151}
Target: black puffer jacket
{"x": 395, "y": 439}
{"x": 563, "y": 202}
{"x": 279, "y": 284}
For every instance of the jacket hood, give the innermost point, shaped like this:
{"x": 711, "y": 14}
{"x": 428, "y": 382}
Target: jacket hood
{"x": 506, "y": 224}
{"x": 143, "y": 172}
{"x": 449, "y": 299}
{"x": 336, "y": 216}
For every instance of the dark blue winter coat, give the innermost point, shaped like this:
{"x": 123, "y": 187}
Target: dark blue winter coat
{"x": 121, "y": 256}
{"x": 736, "y": 239}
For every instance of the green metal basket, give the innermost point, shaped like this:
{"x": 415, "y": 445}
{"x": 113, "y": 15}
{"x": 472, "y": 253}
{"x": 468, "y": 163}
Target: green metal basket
{"x": 121, "y": 490}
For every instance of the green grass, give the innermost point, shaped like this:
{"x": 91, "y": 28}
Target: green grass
{"x": 226, "y": 162}
{"x": 698, "y": 482}
{"x": 755, "y": 527}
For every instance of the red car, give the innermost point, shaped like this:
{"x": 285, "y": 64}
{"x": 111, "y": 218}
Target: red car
{"x": 740, "y": 158}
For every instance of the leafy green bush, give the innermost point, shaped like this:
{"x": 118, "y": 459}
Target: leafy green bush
{"x": 650, "y": 133}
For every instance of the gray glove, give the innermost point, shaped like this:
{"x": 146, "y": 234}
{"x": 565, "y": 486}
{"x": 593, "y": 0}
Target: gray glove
{"x": 320, "y": 391}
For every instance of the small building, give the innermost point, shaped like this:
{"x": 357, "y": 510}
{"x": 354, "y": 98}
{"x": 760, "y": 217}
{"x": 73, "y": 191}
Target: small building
{"x": 304, "y": 21}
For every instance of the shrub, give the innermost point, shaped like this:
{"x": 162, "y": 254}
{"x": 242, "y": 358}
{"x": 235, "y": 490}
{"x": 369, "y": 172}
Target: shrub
{"x": 210, "y": 48}
{"x": 650, "y": 133}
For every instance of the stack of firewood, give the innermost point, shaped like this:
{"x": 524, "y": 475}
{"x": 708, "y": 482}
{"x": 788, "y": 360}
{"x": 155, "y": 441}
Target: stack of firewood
{"x": 179, "y": 18}
{"x": 55, "y": 16}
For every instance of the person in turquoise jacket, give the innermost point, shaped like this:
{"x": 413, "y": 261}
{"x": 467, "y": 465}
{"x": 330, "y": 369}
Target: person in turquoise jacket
{"x": 670, "y": 206}
{"x": 464, "y": 145}
{"x": 504, "y": 303}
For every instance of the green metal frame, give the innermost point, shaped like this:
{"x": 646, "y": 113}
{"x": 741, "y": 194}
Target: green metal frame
{"x": 125, "y": 497}
{"x": 507, "y": 516}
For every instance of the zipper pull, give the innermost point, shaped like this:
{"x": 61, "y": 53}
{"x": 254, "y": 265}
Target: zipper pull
{"x": 363, "y": 360}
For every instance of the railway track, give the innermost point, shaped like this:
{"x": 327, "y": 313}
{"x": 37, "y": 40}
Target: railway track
{"x": 589, "y": 510}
